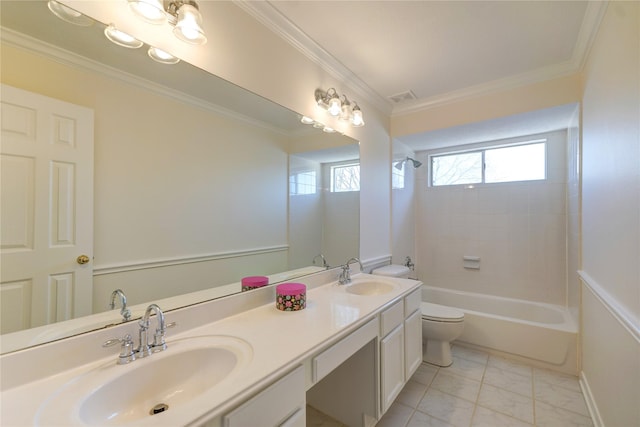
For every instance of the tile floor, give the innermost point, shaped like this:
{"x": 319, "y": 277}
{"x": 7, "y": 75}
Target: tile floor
{"x": 479, "y": 389}
{"x": 482, "y": 390}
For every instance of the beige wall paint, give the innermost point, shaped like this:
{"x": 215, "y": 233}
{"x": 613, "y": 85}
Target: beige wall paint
{"x": 611, "y": 217}
{"x": 245, "y": 52}
{"x": 537, "y": 96}
{"x": 162, "y": 174}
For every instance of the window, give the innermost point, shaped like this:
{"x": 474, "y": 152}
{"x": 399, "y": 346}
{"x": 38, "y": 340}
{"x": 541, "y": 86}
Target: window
{"x": 302, "y": 183}
{"x": 345, "y": 177}
{"x": 523, "y": 162}
{"x": 397, "y": 177}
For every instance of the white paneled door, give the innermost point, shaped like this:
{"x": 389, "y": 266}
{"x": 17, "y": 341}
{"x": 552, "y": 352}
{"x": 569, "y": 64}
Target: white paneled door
{"x": 46, "y": 208}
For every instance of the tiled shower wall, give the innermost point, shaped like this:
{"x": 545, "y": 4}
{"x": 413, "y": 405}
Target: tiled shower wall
{"x": 519, "y": 231}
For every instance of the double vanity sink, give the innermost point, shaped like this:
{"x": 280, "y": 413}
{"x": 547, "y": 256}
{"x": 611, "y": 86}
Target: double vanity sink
{"x": 220, "y": 354}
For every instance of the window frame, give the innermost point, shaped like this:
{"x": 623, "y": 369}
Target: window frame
{"x": 482, "y": 149}
{"x": 333, "y": 166}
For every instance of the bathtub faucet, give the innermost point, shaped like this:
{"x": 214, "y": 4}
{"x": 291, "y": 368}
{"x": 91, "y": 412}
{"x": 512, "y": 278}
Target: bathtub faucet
{"x": 345, "y": 276}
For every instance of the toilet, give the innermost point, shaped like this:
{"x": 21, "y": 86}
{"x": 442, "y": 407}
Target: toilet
{"x": 440, "y": 324}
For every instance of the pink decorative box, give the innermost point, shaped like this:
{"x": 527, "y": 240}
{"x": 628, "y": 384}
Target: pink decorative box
{"x": 291, "y": 296}
{"x": 254, "y": 282}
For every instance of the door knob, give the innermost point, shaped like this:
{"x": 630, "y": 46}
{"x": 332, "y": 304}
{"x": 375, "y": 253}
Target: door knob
{"x": 83, "y": 259}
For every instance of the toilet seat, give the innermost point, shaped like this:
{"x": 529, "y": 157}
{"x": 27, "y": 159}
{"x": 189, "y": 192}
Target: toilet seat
{"x": 440, "y": 313}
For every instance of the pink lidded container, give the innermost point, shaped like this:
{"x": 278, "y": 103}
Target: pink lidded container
{"x": 291, "y": 296}
{"x": 254, "y": 282}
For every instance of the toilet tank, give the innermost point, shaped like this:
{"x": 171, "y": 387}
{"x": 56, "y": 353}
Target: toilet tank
{"x": 393, "y": 270}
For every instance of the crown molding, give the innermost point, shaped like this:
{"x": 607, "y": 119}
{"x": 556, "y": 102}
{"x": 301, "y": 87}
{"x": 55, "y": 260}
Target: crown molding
{"x": 275, "y": 21}
{"x": 65, "y": 57}
{"x": 530, "y": 77}
{"x": 269, "y": 16}
{"x": 588, "y": 30}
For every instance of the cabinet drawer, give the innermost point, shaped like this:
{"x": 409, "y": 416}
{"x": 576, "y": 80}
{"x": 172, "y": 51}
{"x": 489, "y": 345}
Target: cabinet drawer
{"x": 331, "y": 358}
{"x": 391, "y": 317}
{"x": 412, "y": 302}
{"x": 277, "y": 404}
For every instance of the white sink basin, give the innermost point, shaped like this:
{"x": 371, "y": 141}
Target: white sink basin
{"x": 369, "y": 287}
{"x": 163, "y": 382}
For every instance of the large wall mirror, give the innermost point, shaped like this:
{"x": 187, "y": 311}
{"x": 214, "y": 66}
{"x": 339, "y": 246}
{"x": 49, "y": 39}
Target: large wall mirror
{"x": 190, "y": 181}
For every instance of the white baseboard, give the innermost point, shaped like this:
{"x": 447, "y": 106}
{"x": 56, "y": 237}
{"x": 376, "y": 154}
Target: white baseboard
{"x": 590, "y": 401}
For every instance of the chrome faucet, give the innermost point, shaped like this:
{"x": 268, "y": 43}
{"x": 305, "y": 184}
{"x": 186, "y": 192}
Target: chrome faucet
{"x": 144, "y": 349}
{"x": 124, "y": 311}
{"x": 127, "y": 353}
{"x": 408, "y": 263}
{"x": 345, "y": 276}
{"x": 324, "y": 261}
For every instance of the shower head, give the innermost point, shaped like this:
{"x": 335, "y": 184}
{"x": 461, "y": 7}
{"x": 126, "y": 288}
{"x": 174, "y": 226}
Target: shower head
{"x": 416, "y": 164}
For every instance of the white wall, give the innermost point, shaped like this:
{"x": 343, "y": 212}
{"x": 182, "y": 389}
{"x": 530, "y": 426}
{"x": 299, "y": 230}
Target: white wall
{"x": 611, "y": 218}
{"x": 517, "y": 229}
{"x": 573, "y": 216}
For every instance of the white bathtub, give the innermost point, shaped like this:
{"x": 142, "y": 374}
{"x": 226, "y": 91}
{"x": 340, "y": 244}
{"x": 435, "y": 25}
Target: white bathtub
{"x": 545, "y": 334}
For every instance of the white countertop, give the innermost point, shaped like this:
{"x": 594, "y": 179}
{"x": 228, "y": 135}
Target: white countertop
{"x": 278, "y": 340}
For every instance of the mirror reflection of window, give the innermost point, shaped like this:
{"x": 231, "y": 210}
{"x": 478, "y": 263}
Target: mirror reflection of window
{"x": 302, "y": 183}
{"x": 397, "y": 178}
{"x": 345, "y": 177}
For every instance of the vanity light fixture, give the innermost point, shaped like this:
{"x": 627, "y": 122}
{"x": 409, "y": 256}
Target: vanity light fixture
{"x": 161, "y": 56}
{"x": 67, "y": 14}
{"x": 339, "y": 106}
{"x": 121, "y": 38}
{"x": 183, "y": 15}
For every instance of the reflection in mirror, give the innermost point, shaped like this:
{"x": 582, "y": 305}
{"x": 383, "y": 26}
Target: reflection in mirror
{"x": 189, "y": 180}
{"x": 324, "y": 206}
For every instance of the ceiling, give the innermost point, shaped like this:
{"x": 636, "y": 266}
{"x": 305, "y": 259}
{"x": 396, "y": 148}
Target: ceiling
{"x": 404, "y": 56}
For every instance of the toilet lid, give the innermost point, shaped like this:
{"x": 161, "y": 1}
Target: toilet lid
{"x": 440, "y": 313}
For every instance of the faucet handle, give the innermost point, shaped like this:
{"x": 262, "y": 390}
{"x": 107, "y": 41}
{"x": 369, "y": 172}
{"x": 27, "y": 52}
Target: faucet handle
{"x": 127, "y": 353}
{"x": 159, "y": 343}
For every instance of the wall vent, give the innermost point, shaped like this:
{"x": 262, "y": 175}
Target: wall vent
{"x": 402, "y": 97}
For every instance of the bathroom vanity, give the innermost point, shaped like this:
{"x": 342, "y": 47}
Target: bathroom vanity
{"x": 233, "y": 361}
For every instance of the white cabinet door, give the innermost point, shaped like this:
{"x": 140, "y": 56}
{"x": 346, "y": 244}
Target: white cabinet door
{"x": 391, "y": 366}
{"x": 46, "y": 210}
{"x": 413, "y": 343}
{"x": 281, "y": 404}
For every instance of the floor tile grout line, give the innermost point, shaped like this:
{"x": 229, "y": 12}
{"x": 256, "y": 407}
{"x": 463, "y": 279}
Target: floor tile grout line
{"x": 460, "y": 374}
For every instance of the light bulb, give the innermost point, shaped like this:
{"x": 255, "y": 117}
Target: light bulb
{"x": 189, "y": 25}
{"x": 161, "y": 56}
{"x": 121, "y": 38}
{"x": 356, "y": 118}
{"x": 67, "y": 14}
{"x": 335, "y": 106}
{"x": 150, "y": 11}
